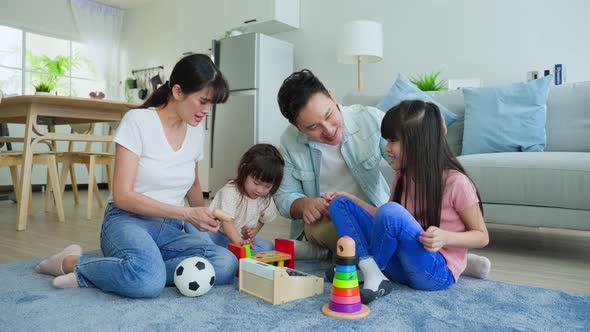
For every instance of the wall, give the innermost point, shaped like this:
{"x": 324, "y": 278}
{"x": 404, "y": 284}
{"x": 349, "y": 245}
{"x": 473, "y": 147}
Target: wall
{"x": 160, "y": 32}
{"x": 497, "y": 41}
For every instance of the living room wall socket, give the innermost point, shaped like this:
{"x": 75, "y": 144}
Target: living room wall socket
{"x": 532, "y": 75}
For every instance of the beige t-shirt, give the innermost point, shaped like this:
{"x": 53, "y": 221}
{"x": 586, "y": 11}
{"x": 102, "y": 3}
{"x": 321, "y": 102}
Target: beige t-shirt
{"x": 246, "y": 211}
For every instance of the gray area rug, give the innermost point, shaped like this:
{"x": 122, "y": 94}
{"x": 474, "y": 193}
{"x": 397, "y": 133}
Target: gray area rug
{"x": 29, "y": 303}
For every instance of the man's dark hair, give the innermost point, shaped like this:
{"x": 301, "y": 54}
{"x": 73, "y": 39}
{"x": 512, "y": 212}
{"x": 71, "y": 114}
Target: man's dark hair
{"x": 296, "y": 91}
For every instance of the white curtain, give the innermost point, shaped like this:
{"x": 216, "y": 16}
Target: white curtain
{"x": 100, "y": 29}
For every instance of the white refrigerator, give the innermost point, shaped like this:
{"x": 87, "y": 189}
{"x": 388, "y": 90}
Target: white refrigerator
{"x": 255, "y": 66}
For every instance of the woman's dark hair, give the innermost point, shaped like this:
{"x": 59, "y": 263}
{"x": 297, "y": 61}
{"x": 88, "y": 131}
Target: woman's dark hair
{"x": 192, "y": 73}
{"x": 425, "y": 155}
{"x": 296, "y": 91}
{"x": 264, "y": 163}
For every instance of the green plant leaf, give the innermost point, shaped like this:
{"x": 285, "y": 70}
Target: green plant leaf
{"x": 42, "y": 87}
{"x": 428, "y": 82}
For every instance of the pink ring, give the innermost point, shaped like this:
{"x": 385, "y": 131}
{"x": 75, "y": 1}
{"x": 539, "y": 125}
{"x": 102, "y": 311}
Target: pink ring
{"x": 345, "y": 299}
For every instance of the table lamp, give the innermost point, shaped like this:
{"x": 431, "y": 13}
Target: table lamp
{"x": 360, "y": 41}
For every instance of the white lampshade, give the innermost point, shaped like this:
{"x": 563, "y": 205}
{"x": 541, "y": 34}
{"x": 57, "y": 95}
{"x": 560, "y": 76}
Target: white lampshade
{"x": 361, "y": 40}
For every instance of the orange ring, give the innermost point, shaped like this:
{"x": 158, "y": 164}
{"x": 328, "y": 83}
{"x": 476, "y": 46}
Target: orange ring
{"x": 345, "y": 291}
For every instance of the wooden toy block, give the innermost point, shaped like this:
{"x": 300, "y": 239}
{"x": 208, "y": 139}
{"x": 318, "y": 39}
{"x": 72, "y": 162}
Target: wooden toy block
{"x": 240, "y": 252}
{"x": 288, "y": 247}
{"x": 277, "y": 285}
{"x": 237, "y": 250}
{"x": 283, "y": 255}
{"x": 270, "y": 256}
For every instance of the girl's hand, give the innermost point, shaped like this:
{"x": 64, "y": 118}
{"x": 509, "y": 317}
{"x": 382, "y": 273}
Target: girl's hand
{"x": 247, "y": 233}
{"x": 433, "y": 238}
{"x": 249, "y": 242}
{"x": 330, "y": 195}
{"x": 201, "y": 218}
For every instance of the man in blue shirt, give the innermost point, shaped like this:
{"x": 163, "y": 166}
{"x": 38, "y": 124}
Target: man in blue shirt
{"x": 327, "y": 147}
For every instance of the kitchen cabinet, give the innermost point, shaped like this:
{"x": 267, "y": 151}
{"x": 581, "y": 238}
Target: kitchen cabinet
{"x": 266, "y": 16}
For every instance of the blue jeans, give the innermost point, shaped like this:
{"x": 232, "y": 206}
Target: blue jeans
{"x": 222, "y": 240}
{"x": 391, "y": 237}
{"x": 141, "y": 254}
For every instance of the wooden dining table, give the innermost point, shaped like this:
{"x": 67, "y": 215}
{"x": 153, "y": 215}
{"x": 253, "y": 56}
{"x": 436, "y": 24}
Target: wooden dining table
{"x": 36, "y": 111}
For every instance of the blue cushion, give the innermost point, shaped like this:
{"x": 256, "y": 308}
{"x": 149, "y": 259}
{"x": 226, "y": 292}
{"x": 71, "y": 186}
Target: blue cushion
{"x": 403, "y": 89}
{"x": 506, "y": 118}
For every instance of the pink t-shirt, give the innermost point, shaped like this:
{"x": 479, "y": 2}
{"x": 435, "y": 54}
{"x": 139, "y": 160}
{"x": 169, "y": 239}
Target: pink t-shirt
{"x": 459, "y": 193}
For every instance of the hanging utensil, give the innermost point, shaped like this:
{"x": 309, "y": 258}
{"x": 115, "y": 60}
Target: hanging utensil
{"x": 143, "y": 92}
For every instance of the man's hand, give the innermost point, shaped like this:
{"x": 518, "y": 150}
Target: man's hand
{"x": 314, "y": 209}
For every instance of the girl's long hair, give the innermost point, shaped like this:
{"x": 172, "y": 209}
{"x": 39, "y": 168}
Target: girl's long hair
{"x": 264, "y": 163}
{"x": 425, "y": 156}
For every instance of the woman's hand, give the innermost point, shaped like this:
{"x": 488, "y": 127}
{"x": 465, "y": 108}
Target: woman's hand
{"x": 433, "y": 238}
{"x": 201, "y": 218}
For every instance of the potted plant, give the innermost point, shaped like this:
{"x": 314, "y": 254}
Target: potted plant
{"x": 42, "y": 88}
{"x": 428, "y": 82}
{"x": 52, "y": 69}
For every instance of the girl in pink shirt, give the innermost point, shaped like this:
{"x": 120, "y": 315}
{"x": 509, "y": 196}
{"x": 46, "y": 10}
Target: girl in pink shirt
{"x": 421, "y": 237}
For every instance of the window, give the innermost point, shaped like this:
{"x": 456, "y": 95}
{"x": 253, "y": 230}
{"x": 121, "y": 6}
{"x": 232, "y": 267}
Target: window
{"x": 11, "y": 73}
{"x": 27, "y": 59}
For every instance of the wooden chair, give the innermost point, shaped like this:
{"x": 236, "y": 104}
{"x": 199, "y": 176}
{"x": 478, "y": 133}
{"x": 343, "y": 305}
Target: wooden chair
{"x": 15, "y": 159}
{"x": 90, "y": 159}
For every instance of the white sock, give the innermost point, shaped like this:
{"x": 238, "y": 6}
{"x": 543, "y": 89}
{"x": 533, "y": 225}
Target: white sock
{"x": 477, "y": 266}
{"x": 372, "y": 274}
{"x": 66, "y": 281}
{"x": 308, "y": 250}
{"x": 53, "y": 264}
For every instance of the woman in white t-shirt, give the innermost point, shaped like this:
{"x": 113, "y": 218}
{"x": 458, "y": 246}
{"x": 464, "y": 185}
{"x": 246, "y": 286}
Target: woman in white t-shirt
{"x": 248, "y": 199}
{"x": 158, "y": 148}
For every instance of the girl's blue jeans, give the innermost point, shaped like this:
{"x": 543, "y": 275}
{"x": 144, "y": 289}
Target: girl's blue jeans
{"x": 141, "y": 254}
{"x": 222, "y": 240}
{"x": 391, "y": 237}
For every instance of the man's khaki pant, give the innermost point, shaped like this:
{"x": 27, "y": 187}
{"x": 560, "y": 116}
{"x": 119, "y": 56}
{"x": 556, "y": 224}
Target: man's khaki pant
{"x": 322, "y": 233}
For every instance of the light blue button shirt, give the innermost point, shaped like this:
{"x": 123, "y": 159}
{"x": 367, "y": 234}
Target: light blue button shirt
{"x": 362, "y": 149}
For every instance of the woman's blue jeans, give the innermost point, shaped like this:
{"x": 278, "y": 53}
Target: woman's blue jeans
{"x": 391, "y": 237}
{"x": 222, "y": 240}
{"x": 141, "y": 254}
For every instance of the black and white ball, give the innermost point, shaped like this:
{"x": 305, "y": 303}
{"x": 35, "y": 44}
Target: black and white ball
{"x": 194, "y": 276}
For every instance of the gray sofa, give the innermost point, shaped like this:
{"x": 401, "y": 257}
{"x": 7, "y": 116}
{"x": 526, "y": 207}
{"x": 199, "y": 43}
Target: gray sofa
{"x": 543, "y": 189}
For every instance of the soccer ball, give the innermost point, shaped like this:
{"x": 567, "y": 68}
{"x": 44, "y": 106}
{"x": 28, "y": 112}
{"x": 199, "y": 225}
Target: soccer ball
{"x": 194, "y": 276}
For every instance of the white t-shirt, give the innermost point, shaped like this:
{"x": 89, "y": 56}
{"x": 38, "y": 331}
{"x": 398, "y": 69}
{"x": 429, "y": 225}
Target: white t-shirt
{"x": 162, "y": 174}
{"x": 249, "y": 212}
{"x": 335, "y": 174}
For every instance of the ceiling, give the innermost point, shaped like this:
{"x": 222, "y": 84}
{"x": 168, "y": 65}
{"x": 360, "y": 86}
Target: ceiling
{"x": 125, "y": 4}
